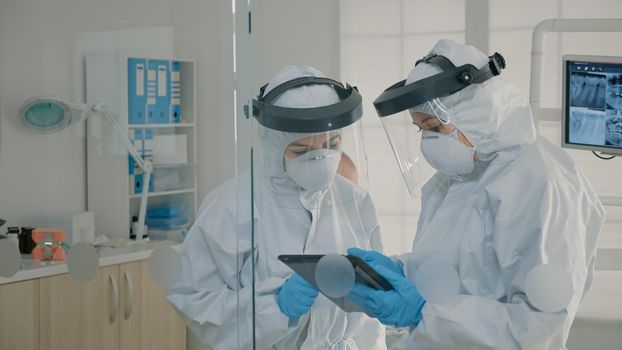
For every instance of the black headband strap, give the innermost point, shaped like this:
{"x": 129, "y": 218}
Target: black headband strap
{"x": 294, "y": 83}
{"x": 401, "y": 96}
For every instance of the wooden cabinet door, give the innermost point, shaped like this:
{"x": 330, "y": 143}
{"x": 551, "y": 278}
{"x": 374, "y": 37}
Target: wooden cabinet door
{"x": 148, "y": 321}
{"x": 79, "y": 316}
{"x": 19, "y": 328}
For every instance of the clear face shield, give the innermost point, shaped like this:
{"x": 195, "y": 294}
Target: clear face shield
{"x": 313, "y": 162}
{"x": 419, "y": 125}
{"x": 328, "y": 168}
{"x": 425, "y": 141}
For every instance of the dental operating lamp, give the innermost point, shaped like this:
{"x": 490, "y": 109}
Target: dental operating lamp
{"x": 46, "y": 115}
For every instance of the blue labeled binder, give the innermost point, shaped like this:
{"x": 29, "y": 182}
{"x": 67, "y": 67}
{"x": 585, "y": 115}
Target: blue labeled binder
{"x": 175, "y": 92}
{"x": 136, "y": 137}
{"x": 151, "y": 188}
{"x": 158, "y": 97}
{"x": 138, "y": 183}
{"x": 137, "y": 96}
{"x": 147, "y": 146}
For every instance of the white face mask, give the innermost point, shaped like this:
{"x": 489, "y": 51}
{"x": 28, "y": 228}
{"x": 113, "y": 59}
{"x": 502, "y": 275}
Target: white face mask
{"x": 314, "y": 170}
{"x": 445, "y": 153}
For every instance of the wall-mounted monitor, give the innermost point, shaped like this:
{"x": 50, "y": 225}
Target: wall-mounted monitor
{"x": 592, "y": 103}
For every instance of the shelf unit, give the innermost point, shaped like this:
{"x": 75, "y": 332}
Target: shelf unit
{"x": 160, "y": 126}
{"x": 109, "y": 181}
{"x": 164, "y": 193}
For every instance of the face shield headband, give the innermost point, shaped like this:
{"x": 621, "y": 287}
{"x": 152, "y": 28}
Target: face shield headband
{"x": 401, "y": 96}
{"x": 307, "y": 120}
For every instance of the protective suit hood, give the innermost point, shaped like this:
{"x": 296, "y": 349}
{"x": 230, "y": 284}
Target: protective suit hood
{"x": 275, "y": 142}
{"x": 494, "y": 115}
{"x": 524, "y": 206}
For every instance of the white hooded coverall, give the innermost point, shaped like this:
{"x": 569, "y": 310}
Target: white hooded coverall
{"x": 525, "y": 204}
{"x": 287, "y": 220}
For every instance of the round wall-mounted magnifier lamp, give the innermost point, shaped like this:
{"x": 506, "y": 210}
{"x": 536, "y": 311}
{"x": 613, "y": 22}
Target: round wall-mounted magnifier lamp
{"x": 46, "y": 115}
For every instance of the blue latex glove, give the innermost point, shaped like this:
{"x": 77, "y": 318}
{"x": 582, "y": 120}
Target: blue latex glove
{"x": 296, "y": 296}
{"x": 400, "y": 307}
{"x": 374, "y": 258}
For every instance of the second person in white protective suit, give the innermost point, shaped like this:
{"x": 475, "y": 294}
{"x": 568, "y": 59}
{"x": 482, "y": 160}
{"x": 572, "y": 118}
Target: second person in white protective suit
{"x": 309, "y": 181}
{"x": 502, "y": 203}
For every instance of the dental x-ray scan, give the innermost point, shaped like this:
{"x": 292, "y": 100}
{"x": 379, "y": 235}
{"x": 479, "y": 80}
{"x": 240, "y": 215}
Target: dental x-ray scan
{"x": 593, "y": 104}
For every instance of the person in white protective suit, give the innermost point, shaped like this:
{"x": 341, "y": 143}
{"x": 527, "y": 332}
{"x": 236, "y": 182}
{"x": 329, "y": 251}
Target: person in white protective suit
{"x": 307, "y": 125}
{"x": 501, "y": 202}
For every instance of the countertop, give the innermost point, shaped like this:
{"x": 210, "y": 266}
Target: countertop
{"x": 135, "y": 251}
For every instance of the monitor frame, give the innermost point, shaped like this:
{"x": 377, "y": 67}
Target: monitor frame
{"x": 565, "y": 110}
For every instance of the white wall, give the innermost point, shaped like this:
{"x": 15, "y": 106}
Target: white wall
{"x": 203, "y": 33}
{"x": 41, "y": 174}
{"x": 295, "y": 32}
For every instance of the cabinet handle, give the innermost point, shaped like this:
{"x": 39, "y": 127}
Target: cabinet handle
{"x": 129, "y": 302}
{"x": 114, "y": 307}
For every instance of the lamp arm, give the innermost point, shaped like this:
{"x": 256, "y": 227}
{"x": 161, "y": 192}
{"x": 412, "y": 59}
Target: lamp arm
{"x": 123, "y": 137}
{"x": 145, "y": 165}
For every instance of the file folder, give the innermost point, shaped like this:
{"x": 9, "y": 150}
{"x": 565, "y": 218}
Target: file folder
{"x": 158, "y": 98}
{"x": 136, "y": 137}
{"x": 175, "y": 92}
{"x": 137, "y": 97}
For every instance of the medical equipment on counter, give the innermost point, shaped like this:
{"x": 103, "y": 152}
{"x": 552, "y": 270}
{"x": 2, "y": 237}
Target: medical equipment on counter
{"x": 134, "y": 228}
{"x": 166, "y": 211}
{"x": 49, "y": 242}
{"x": 592, "y": 103}
{"x": 168, "y": 222}
{"x": 26, "y": 244}
{"x": 174, "y": 234}
{"x": 78, "y": 227}
{"x": 12, "y": 234}
{"x": 47, "y": 115}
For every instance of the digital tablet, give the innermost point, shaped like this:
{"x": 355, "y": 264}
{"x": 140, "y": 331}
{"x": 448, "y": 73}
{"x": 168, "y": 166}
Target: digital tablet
{"x": 305, "y": 265}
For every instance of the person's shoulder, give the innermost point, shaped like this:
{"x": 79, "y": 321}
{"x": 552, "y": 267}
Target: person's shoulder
{"x": 221, "y": 197}
{"x": 543, "y": 169}
{"x": 220, "y": 205}
{"x": 348, "y": 192}
{"x": 548, "y": 163}
{"x": 437, "y": 183}
{"x": 356, "y": 198}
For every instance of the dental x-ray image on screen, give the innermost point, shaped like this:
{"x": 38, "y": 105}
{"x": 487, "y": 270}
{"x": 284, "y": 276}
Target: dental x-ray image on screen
{"x": 593, "y": 103}
{"x": 588, "y": 90}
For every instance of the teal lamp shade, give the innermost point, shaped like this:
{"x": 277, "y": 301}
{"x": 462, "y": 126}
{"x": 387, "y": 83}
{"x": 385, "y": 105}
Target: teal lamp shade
{"x": 45, "y": 115}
